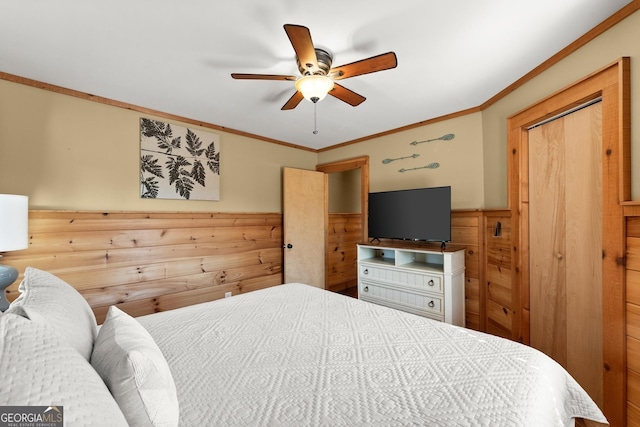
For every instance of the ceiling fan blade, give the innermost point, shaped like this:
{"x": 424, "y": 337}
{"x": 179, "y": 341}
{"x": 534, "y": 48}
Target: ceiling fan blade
{"x": 346, "y": 95}
{"x": 293, "y": 101}
{"x": 300, "y": 39}
{"x": 241, "y": 76}
{"x": 381, "y": 62}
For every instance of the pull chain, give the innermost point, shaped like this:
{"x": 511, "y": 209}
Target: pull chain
{"x": 315, "y": 121}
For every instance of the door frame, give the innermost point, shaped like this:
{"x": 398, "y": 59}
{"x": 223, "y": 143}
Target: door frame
{"x": 612, "y": 84}
{"x": 361, "y": 163}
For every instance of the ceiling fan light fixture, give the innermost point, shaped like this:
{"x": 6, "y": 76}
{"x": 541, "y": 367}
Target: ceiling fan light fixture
{"x": 314, "y": 87}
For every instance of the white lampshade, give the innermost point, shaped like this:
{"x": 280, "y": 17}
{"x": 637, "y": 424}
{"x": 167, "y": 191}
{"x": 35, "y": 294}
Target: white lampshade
{"x": 14, "y": 216}
{"x": 314, "y": 87}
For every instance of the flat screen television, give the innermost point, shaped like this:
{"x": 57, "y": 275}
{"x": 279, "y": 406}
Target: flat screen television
{"x": 417, "y": 214}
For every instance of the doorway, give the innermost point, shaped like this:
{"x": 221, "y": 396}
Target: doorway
{"x": 347, "y": 219}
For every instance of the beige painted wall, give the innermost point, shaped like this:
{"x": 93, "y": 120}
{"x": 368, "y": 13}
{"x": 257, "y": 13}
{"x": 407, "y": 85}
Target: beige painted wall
{"x": 621, "y": 40}
{"x": 344, "y": 191}
{"x": 69, "y": 153}
{"x": 460, "y": 159}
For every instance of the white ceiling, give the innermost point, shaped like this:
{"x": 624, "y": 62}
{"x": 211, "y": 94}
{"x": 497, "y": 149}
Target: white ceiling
{"x": 177, "y": 56}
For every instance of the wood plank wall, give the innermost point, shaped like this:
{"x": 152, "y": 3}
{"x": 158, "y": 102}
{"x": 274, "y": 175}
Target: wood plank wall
{"x": 147, "y": 262}
{"x": 500, "y": 298}
{"x": 488, "y": 292}
{"x": 344, "y": 232}
{"x": 632, "y": 278}
{"x": 466, "y": 232}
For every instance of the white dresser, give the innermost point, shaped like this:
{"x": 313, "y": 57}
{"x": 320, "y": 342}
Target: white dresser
{"x": 426, "y": 282}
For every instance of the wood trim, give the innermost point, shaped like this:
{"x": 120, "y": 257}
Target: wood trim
{"x": 631, "y": 209}
{"x": 343, "y": 165}
{"x": 610, "y": 83}
{"x": 326, "y": 230}
{"x": 405, "y": 128}
{"x": 611, "y": 21}
{"x": 127, "y": 106}
{"x": 624, "y": 96}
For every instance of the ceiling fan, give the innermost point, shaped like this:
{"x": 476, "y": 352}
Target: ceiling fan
{"x": 318, "y": 77}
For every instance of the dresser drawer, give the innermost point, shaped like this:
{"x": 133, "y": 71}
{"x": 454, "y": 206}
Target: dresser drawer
{"x": 404, "y": 277}
{"x": 392, "y": 296}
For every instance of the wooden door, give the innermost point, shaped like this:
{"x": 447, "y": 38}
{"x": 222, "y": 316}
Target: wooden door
{"x": 565, "y": 237}
{"x": 304, "y": 223}
{"x": 611, "y": 84}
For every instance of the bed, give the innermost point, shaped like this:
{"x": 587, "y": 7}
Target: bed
{"x": 289, "y": 355}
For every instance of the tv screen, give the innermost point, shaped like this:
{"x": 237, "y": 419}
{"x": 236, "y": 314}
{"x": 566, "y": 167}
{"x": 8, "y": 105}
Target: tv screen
{"x": 418, "y": 214}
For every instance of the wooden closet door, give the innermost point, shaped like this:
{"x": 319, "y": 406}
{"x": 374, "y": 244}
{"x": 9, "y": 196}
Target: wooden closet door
{"x": 565, "y": 234}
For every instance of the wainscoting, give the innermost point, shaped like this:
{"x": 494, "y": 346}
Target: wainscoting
{"x": 145, "y": 262}
{"x": 489, "y": 300}
{"x": 343, "y": 234}
{"x": 148, "y": 262}
{"x": 632, "y": 216}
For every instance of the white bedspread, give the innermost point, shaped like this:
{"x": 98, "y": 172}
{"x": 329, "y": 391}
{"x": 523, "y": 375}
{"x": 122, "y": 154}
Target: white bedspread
{"x": 294, "y": 355}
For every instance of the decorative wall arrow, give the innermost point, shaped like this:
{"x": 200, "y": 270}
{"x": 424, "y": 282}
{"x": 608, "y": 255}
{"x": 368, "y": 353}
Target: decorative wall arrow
{"x": 387, "y": 161}
{"x": 446, "y": 137}
{"x": 433, "y": 165}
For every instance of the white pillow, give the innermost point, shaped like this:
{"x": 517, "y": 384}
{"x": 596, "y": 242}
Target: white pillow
{"x": 133, "y": 367}
{"x": 37, "y": 368}
{"x": 47, "y": 299}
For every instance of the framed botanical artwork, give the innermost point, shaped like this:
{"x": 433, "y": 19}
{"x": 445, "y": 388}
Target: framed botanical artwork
{"x": 177, "y": 162}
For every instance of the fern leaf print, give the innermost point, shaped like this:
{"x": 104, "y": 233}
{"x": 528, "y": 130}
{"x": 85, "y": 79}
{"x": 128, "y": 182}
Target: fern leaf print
{"x": 174, "y": 163}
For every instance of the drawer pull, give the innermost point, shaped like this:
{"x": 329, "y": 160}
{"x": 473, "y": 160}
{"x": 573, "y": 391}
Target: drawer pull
{"x": 366, "y": 271}
{"x": 431, "y": 283}
{"x": 431, "y": 304}
{"x": 366, "y": 289}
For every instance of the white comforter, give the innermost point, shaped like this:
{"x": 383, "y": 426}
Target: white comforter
{"x": 294, "y": 355}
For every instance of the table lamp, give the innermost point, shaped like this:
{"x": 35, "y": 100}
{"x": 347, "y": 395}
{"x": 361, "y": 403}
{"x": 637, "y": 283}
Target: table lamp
{"x": 14, "y": 235}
